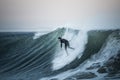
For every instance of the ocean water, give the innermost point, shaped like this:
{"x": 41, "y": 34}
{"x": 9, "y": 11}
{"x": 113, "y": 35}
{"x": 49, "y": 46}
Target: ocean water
{"x": 38, "y": 55}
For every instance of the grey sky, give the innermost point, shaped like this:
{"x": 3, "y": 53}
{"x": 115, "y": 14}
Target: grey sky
{"x": 36, "y": 15}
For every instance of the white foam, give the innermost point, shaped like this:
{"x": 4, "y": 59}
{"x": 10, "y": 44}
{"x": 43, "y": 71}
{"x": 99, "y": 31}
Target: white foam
{"x": 76, "y": 41}
{"x": 109, "y": 49}
{"x": 38, "y": 34}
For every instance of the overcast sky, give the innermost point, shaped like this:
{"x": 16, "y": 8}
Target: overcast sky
{"x": 37, "y": 15}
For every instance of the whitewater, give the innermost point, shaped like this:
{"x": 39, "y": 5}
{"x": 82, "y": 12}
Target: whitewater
{"x": 76, "y": 41}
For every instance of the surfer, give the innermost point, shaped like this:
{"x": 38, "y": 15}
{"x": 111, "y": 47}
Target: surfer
{"x": 66, "y": 42}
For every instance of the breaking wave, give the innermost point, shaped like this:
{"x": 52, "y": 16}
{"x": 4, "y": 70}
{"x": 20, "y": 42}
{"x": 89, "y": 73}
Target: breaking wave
{"x": 35, "y": 56}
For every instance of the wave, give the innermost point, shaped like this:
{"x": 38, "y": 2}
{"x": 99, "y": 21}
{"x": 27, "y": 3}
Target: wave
{"x": 29, "y": 57}
{"x": 100, "y": 47}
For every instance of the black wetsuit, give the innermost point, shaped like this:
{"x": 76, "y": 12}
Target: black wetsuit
{"x": 66, "y": 42}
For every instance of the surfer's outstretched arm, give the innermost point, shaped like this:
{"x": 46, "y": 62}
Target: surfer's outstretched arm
{"x": 66, "y": 49}
{"x": 61, "y": 45}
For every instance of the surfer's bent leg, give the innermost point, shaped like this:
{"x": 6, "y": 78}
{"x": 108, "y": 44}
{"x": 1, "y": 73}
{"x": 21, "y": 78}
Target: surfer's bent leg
{"x": 69, "y": 46}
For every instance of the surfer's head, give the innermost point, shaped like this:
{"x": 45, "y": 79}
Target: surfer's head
{"x": 59, "y": 38}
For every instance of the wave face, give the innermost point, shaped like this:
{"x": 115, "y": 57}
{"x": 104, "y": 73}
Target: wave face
{"x": 23, "y": 56}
